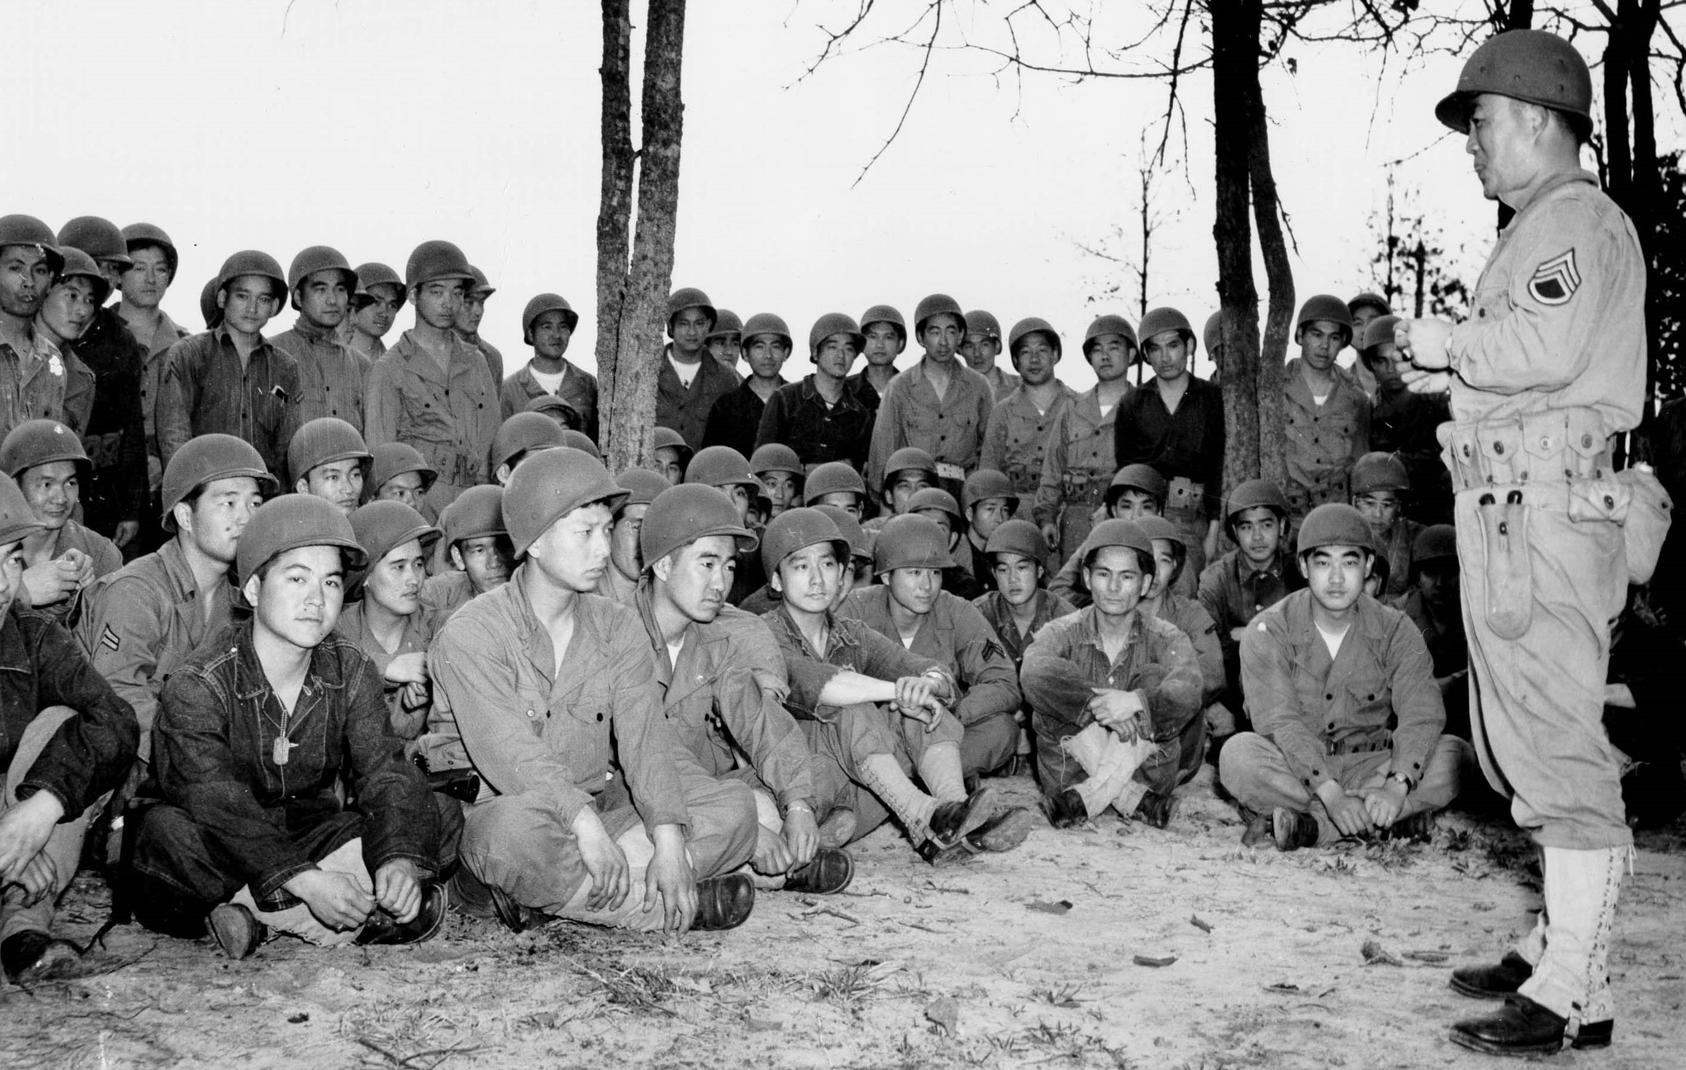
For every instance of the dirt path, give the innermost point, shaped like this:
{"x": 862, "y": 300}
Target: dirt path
{"x": 1023, "y": 959}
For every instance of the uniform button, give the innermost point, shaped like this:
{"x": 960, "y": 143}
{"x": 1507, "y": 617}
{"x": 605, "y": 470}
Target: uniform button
{"x": 1329, "y": 697}
{"x": 599, "y": 718}
{"x": 529, "y": 713}
{"x": 1586, "y": 441}
{"x": 1331, "y": 726}
{"x": 1498, "y": 447}
{"x": 1609, "y": 502}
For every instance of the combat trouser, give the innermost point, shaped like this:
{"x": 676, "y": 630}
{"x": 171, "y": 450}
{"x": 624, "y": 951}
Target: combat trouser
{"x": 64, "y": 844}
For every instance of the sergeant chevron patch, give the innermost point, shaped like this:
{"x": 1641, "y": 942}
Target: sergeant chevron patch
{"x": 1556, "y": 280}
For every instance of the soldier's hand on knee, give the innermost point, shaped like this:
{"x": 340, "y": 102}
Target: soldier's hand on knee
{"x": 38, "y": 879}
{"x": 398, "y": 889}
{"x": 801, "y": 836}
{"x": 24, "y": 831}
{"x": 605, "y": 863}
{"x": 1120, "y": 711}
{"x": 671, "y": 881}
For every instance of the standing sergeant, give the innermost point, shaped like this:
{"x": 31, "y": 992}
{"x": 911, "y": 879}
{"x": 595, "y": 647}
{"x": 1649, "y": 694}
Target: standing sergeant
{"x": 548, "y": 324}
{"x": 554, "y": 695}
{"x": 821, "y": 418}
{"x": 686, "y": 384}
{"x": 331, "y": 376}
{"x": 466, "y": 322}
{"x": 388, "y": 623}
{"x": 374, "y": 308}
{"x": 432, "y": 389}
{"x": 736, "y": 417}
{"x": 117, "y": 492}
{"x": 1078, "y": 461}
{"x": 980, "y": 347}
{"x": 1017, "y": 437}
{"x": 62, "y": 557}
{"x": 66, "y": 740}
{"x": 1111, "y": 690}
{"x": 289, "y": 805}
{"x": 1347, "y": 719}
{"x": 939, "y": 405}
{"x": 327, "y": 459}
{"x": 730, "y": 718}
{"x": 883, "y": 339}
{"x": 140, "y": 623}
{"x": 875, "y": 709}
{"x": 1327, "y": 413}
{"x": 229, "y": 379}
{"x": 1175, "y": 423}
{"x": 910, "y": 607}
{"x": 1550, "y": 368}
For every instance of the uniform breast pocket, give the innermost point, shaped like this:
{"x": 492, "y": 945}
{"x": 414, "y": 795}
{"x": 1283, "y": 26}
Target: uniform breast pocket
{"x": 426, "y": 417}
{"x": 1371, "y": 698}
{"x": 920, "y": 420}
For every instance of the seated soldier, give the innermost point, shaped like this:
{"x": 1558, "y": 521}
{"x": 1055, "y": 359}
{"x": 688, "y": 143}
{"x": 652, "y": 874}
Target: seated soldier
{"x": 565, "y": 415}
{"x": 986, "y": 501}
{"x": 780, "y": 472}
{"x": 1137, "y": 490}
{"x": 672, "y": 454}
{"x": 727, "y": 470}
{"x": 856, "y": 569}
{"x": 1243, "y": 583}
{"x": 725, "y": 713}
{"x": 626, "y": 563}
{"x": 1111, "y": 691}
{"x": 387, "y": 623}
{"x": 1018, "y": 607}
{"x": 519, "y": 437}
{"x": 142, "y": 621}
{"x": 1379, "y": 487}
{"x": 908, "y": 471}
{"x": 875, "y": 710}
{"x": 66, "y": 741}
{"x": 835, "y": 483}
{"x": 1432, "y": 603}
{"x": 60, "y": 556}
{"x": 1348, "y": 723}
{"x": 1166, "y": 602}
{"x": 257, "y": 732}
{"x": 327, "y": 458}
{"x": 909, "y": 607}
{"x": 399, "y": 473}
{"x": 939, "y": 505}
{"x": 477, "y": 549}
{"x": 551, "y": 693}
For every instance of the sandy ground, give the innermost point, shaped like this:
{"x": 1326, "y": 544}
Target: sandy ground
{"x": 1041, "y": 957}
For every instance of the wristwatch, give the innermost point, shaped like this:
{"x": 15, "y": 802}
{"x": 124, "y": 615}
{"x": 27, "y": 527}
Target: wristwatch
{"x": 1403, "y": 779}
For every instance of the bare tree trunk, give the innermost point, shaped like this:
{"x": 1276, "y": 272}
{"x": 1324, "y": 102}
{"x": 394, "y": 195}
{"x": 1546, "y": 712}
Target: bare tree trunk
{"x": 1267, "y": 213}
{"x": 1235, "y": 59}
{"x": 614, "y": 214}
{"x": 630, "y": 417}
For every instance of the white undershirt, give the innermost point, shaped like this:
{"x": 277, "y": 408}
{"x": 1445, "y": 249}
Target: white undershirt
{"x": 549, "y": 381}
{"x": 1332, "y": 640}
{"x": 686, "y": 372}
{"x": 1318, "y": 399}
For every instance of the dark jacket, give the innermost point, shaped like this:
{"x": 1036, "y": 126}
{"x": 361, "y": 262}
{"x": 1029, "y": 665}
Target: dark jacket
{"x": 797, "y": 416}
{"x": 735, "y": 419}
{"x": 115, "y": 436}
{"x": 41, "y": 665}
{"x": 1186, "y": 444}
{"x": 214, "y": 750}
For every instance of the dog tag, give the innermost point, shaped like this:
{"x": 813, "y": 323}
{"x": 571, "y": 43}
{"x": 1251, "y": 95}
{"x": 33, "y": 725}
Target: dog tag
{"x": 283, "y": 749}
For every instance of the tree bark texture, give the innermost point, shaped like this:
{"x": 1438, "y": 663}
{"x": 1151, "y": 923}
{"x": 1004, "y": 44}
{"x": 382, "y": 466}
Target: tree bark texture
{"x": 614, "y": 215}
{"x": 630, "y": 408}
{"x": 1279, "y": 276}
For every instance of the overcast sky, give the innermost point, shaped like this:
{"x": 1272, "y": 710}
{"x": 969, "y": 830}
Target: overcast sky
{"x": 372, "y": 125}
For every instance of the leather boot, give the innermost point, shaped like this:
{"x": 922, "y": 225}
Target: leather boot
{"x": 1293, "y": 829}
{"x": 382, "y": 928}
{"x": 1065, "y": 809}
{"x": 827, "y": 873}
{"x": 236, "y": 930}
{"x": 1523, "y": 1027}
{"x": 1003, "y": 832}
{"x": 952, "y": 820}
{"x": 1492, "y": 982}
{"x": 723, "y": 902}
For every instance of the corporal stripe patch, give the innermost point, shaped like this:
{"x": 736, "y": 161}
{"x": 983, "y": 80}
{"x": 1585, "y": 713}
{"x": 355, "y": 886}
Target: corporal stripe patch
{"x": 1555, "y": 280}
{"x": 109, "y": 640}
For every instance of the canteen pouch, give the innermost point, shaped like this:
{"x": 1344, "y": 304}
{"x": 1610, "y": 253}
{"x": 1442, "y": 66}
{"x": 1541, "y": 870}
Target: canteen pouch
{"x": 1635, "y": 499}
{"x": 1509, "y": 570}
